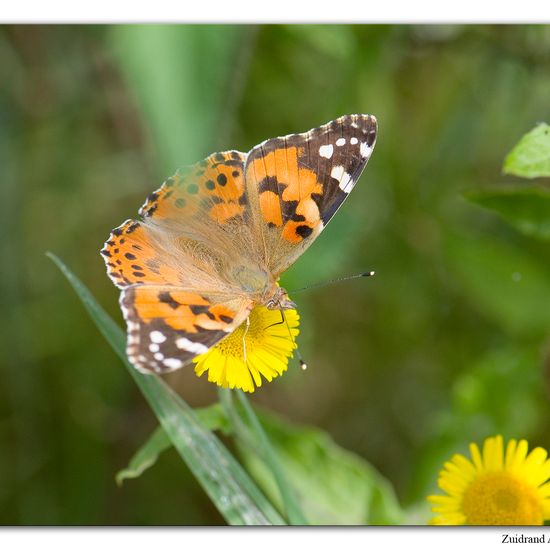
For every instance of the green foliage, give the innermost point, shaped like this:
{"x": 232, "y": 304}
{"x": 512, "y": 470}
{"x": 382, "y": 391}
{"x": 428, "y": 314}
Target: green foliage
{"x": 231, "y": 490}
{"x": 257, "y": 434}
{"x": 334, "y": 486}
{"x": 212, "y": 418}
{"x": 526, "y": 208}
{"x": 482, "y": 386}
{"x": 146, "y": 456}
{"x": 188, "y": 102}
{"x": 504, "y": 283}
{"x": 530, "y": 158}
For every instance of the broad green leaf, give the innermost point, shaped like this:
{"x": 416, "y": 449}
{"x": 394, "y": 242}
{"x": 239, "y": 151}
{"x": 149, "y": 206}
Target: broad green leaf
{"x": 211, "y": 417}
{"x": 502, "y": 282}
{"x": 334, "y": 486}
{"x": 526, "y": 208}
{"x": 231, "y": 490}
{"x": 530, "y": 158}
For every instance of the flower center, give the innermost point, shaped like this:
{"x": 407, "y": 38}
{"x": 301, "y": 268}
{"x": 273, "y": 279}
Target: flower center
{"x": 499, "y": 498}
{"x": 233, "y": 344}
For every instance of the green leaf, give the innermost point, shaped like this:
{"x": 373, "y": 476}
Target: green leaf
{"x": 146, "y": 456}
{"x": 211, "y": 417}
{"x": 229, "y": 487}
{"x": 334, "y": 486}
{"x": 505, "y": 284}
{"x": 286, "y": 492}
{"x": 526, "y": 208}
{"x": 185, "y": 100}
{"x": 530, "y": 158}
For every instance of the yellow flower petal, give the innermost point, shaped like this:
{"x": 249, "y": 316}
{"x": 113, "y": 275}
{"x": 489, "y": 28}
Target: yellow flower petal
{"x": 497, "y": 487}
{"x": 249, "y": 354}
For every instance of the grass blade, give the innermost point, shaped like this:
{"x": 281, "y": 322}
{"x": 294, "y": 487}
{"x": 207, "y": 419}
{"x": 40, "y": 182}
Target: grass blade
{"x": 293, "y": 511}
{"x": 211, "y": 417}
{"x": 229, "y": 487}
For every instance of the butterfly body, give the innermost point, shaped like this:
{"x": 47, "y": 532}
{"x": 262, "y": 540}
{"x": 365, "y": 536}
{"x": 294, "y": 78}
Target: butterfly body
{"x": 215, "y": 238}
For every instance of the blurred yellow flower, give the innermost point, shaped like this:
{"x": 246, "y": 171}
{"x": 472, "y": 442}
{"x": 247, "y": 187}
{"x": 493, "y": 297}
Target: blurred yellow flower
{"x": 494, "y": 487}
{"x": 262, "y": 348}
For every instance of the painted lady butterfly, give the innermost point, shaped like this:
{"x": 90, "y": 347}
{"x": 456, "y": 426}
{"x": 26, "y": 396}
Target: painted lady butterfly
{"x": 215, "y": 238}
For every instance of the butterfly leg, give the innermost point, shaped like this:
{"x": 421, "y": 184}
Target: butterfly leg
{"x": 303, "y": 364}
{"x": 283, "y": 320}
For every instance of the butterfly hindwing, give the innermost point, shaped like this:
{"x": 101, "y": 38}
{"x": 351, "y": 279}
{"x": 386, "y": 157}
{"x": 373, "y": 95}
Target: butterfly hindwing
{"x": 169, "y": 326}
{"x": 296, "y": 183}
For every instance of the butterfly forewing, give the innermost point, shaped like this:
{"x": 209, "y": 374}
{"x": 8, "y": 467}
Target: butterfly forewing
{"x": 296, "y": 183}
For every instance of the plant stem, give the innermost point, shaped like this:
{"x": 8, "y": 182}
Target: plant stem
{"x": 293, "y": 511}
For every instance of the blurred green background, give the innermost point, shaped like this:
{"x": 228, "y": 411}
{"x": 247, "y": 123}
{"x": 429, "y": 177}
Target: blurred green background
{"x": 447, "y": 344}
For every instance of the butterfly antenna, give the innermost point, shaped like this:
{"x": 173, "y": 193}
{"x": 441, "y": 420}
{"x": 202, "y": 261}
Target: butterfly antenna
{"x": 303, "y": 364}
{"x": 332, "y": 281}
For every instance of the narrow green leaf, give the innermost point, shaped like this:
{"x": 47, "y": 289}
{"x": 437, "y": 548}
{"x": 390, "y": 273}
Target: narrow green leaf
{"x": 185, "y": 101}
{"x": 530, "y": 158}
{"x": 231, "y": 490}
{"x": 335, "y": 486}
{"x": 146, "y": 456}
{"x": 293, "y": 511}
{"x": 526, "y": 208}
{"x": 211, "y": 417}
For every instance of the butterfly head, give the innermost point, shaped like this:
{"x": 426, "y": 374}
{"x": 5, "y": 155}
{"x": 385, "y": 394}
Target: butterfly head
{"x": 280, "y": 300}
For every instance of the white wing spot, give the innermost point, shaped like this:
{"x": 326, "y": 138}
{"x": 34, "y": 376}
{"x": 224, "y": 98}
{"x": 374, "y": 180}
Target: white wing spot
{"x": 337, "y": 172}
{"x": 364, "y": 149}
{"x": 326, "y": 151}
{"x": 340, "y": 142}
{"x": 342, "y": 176}
{"x": 353, "y": 141}
{"x": 172, "y": 363}
{"x": 153, "y": 348}
{"x": 157, "y": 337}
{"x": 159, "y": 356}
{"x": 188, "y": 345}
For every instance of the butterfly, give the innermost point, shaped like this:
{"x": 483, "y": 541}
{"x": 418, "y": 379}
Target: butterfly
{"x": 215, "y": 238}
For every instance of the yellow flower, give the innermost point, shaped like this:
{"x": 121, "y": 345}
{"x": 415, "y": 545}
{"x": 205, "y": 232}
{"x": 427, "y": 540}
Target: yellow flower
{"x": 494, "y": 487}
{"x": 260, "y": 349}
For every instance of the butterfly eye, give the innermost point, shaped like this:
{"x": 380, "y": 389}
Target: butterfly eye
{"x": 280, "y": 300}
